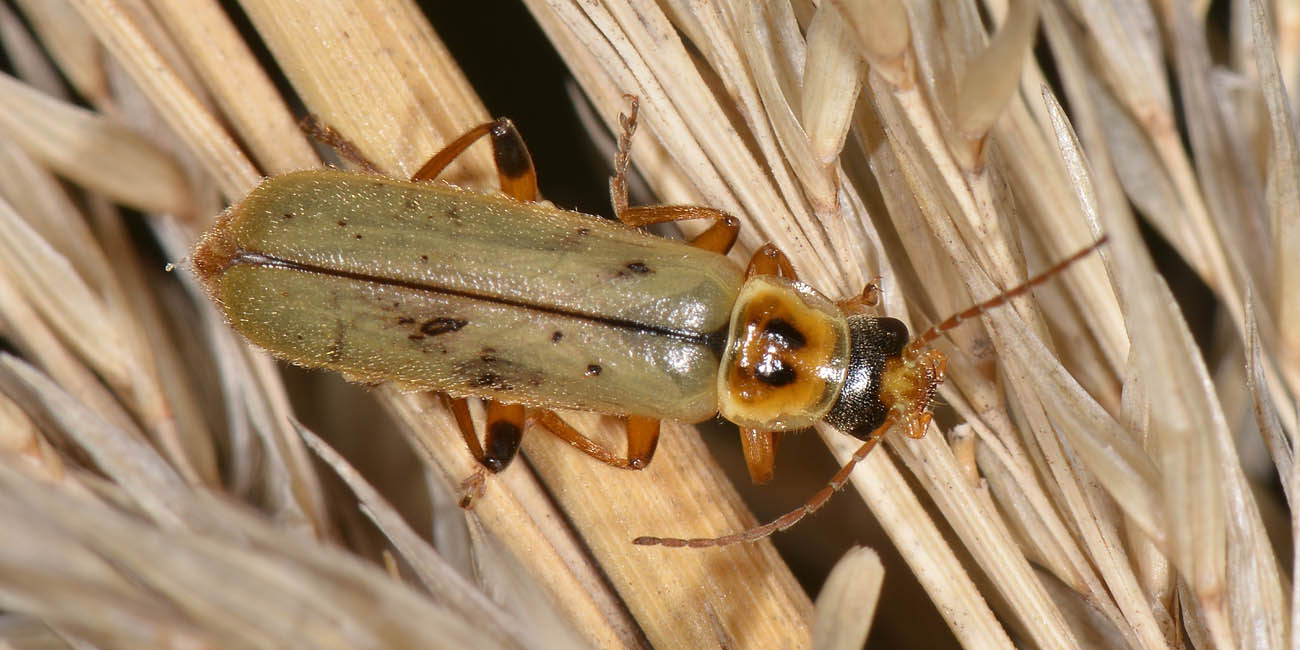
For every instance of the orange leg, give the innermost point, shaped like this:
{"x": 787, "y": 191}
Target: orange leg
{"x": 505, "y": 427}
{"x": 760, "y": 453}
{"x": 769, "y": 260}
{"x": 514, "y": 164}
{"x": 642, "y": 438}
{"x": 869, "y": 298}
{"x": 719, "y": 237}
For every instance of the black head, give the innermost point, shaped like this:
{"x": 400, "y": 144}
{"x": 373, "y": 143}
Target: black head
{"x": 858, "y": 410}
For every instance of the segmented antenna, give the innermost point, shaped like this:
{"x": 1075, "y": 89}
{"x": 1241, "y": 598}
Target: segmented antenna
{"x": 788, "y": 519}
{"x": 936, "y": 331}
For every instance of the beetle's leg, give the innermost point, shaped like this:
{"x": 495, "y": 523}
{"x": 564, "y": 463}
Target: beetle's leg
{"x": 514, "y": 165}
{"x": 642, "y": 438}
{"x": 505, "y": 426}
{"x": 769, "y": 260}
{"x": 719, "y": 237}
{"x": 760, "y": 453}
{"x": 326, "y": 135}
{"x": 863, "y": 302}
{"x": 459, "y": 407}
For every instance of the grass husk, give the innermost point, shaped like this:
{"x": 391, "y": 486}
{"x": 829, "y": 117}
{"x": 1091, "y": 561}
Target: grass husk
{"x": 1085, "y": 485}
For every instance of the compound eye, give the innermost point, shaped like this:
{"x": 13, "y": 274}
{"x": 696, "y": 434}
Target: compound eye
{"x": 892, "y": 335}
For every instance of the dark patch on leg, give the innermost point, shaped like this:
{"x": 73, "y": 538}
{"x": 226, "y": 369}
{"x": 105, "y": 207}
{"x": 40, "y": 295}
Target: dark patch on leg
{"x": 502, "y": 443}
{"x": 512, "y": 160}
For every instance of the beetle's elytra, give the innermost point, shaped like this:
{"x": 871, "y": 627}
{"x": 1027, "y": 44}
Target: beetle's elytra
{"x": 523, "y": 304}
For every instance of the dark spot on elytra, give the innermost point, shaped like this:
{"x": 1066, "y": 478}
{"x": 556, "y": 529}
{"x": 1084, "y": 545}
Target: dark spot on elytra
{"x": 342, "y": 223}
{"x": 592, "y": 370}
{"x": 357, "y": 236}
{"x": 487, "y": 355}
{"x": 437, "y": 326}
{"x": 785, "y": 333}
{"x": 556, "y": 336}
{"x": 415, "y": 337}
{"x": 638, "y": 267}
{"x": 287, "y": 215}
{"x": 412, "y": 205}
{"x": 405, "y": 320}
{"x": 424, "y": 258}
{"x": 452, "y": 213}
{"x": 774, "y": 372}
{"x": 583, "y": 231}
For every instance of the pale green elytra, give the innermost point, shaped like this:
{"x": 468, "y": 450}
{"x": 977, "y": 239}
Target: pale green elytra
{"x": 436, "y": 287}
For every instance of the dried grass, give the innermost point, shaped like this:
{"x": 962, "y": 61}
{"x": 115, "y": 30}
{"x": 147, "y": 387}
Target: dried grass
{"x": 156, "y": 489}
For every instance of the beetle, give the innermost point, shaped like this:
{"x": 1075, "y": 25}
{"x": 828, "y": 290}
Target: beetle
{"x": 528, "y": 306}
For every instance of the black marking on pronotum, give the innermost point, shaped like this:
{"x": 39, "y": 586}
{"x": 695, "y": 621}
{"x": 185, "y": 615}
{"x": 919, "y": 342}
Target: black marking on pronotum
{"x": 436, "y": 326}
{"x": 712, "y": 340}
{"x": 774, "y": 372}
{"x": 787, "y": 334}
